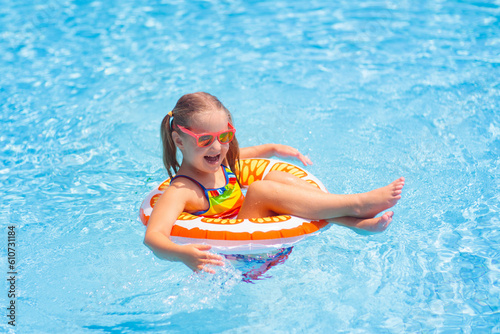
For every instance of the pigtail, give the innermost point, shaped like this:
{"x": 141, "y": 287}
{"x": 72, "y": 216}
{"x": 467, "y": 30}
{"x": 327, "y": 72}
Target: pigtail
{"x": 233, "y": 154}
{"x": 169, "y": 149}
{"x": 233, "y": 158}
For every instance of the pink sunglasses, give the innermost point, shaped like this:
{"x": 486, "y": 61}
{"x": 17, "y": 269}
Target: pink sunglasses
{"x": 206, "y": 139}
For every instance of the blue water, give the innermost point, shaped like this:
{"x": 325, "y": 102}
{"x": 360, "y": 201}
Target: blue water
{"x": 369, "y": 90}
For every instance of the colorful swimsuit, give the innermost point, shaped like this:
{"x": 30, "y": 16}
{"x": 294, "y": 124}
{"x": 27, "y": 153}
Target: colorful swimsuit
{"x": 224, "y": 202}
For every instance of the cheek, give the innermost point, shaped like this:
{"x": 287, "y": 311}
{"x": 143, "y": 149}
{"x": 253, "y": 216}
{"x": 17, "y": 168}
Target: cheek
{"x": 201, "y": 151}
{"x": 190, "y": 148}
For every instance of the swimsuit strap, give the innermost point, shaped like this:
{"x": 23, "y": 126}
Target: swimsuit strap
{"x": 205, "y": 191}
{"x": 227, "y": 176}
{"x": 189, "y": 178}
{"x": 213, "y": 192}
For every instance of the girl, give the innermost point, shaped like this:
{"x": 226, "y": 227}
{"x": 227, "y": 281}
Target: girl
{"x": 202, "y": 128}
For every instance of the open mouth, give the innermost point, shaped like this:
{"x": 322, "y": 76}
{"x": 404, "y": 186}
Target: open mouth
{"x": 212, "y": 159}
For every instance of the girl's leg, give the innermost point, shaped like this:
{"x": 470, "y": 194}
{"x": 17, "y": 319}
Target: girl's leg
{"x": 269, "y": 197}
{"x": 287, "y": 178}
{"x": 378, "y": 224}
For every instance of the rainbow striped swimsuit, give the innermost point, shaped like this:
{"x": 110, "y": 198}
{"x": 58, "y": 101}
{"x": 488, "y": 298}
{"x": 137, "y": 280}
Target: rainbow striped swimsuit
{"x": 224, "y": 202}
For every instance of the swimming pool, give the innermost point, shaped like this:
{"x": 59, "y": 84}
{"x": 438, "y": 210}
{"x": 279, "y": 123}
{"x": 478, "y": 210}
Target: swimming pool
{"x": 370, "y": 90}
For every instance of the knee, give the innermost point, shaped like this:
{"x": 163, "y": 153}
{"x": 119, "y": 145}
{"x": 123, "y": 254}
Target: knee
{"x": 257, "y": 187}
{"x": 277, "y": 176}
{"x": 260, "y": 188}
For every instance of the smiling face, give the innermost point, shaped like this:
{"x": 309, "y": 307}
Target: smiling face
{"x": 203, "y": 159}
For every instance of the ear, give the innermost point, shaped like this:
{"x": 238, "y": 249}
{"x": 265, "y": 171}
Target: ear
{"x": 177, "y": 140}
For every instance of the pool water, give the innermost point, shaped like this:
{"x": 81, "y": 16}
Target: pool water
{"x": 369, "y": 90}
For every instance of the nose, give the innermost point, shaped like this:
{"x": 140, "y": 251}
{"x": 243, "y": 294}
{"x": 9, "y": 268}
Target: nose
{"x": 216, "y": 145}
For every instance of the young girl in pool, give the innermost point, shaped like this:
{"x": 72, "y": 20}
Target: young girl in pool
{"x": 202, "y": 128}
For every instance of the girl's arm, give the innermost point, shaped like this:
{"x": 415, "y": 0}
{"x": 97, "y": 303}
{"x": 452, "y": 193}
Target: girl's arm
{"x": 269, "y": 150}
{"x": 157, "y": 238}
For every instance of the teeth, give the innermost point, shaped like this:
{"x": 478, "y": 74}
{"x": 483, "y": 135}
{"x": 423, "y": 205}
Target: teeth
{"x": 212, "y": 158}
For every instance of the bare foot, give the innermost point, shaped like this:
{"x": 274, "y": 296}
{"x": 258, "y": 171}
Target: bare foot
{"x": 370, "y": 225}
{"x": 378, "y": 200}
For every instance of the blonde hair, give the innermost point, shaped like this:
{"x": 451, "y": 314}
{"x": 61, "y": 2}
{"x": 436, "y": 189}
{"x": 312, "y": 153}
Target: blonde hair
{"x": 187, "y": 106}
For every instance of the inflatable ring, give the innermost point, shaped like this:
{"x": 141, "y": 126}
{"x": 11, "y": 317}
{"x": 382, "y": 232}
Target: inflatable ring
{"x": 240, "y": 236}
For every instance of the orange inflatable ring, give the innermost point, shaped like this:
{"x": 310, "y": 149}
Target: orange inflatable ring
{"x": 240, "y": 236}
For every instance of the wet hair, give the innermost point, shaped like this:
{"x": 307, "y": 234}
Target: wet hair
{"x": 188, "y": 106}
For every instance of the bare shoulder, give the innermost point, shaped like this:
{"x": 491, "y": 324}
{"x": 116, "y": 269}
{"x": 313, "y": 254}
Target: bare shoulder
{"x": 190, "y": 193}
{"x": 182, "y": 190}
{"x": 182, "y": 195}
{"x": 174, "y": 200}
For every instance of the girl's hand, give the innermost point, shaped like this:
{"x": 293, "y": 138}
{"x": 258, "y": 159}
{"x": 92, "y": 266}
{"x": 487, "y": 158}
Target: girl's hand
{"x": 284, "y": 151}
{"x": 197, "y": 258}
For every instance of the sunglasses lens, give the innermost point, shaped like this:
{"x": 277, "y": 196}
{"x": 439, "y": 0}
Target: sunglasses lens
{"x": 226, "y": 137}
{"x": 205, "y": 140}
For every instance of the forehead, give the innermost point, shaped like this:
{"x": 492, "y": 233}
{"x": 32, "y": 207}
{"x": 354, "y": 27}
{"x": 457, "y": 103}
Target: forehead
{"x": 214, "y": 120}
